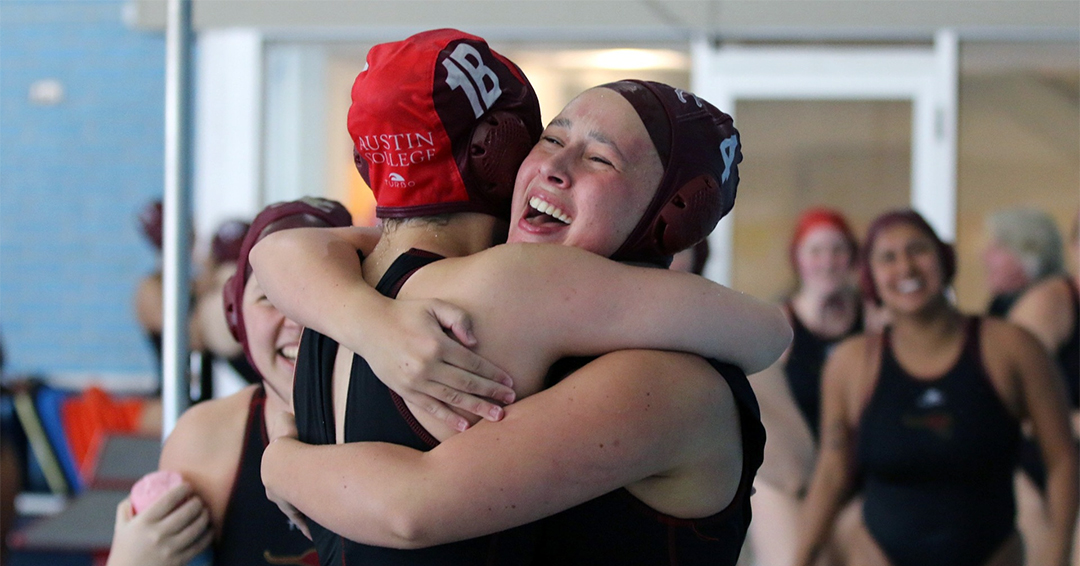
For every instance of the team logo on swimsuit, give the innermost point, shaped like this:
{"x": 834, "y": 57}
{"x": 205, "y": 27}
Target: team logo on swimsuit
{"x": 930, "y": 398}
{"x": 939, "y": 423}
{"x": 309, "y": 558}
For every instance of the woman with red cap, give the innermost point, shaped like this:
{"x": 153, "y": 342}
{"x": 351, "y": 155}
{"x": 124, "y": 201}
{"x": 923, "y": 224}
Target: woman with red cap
{"x": 631, "y": 170}
{"x": 929, "y": 412}
{"x": 825, "y": 309}
{"x": 217, "y": 445}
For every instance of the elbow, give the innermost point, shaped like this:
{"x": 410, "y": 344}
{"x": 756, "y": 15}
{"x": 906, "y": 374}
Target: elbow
{"x": 775, "y": 341}
{"x": 408, "y": 531}
{"x": 784, "y": 335}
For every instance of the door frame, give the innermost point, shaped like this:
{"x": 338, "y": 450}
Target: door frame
{"x": 927, "y": 76}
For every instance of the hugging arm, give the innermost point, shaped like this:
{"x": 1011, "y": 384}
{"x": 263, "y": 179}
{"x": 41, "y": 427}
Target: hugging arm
{"x": 611, "y": 306}
{"x": 314, "y": 277}
{"x": 621, "y": 418}
{"x": 571, "y": 302}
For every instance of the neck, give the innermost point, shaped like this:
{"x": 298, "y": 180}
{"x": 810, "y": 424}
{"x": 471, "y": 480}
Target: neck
{"x": 826, "y": 312}
{"x": 457, "y": 235}
{"x": 934, "y": 323}
{"x": 274, "y": 402}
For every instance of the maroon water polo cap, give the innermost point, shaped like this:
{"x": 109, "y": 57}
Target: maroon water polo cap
{"x": 700, "y": 150}
{"x": 225, "y": 245}
{"x": 308, "y": 212}
{"x": 440, "y": 123}
{"x": 151, "y": 221}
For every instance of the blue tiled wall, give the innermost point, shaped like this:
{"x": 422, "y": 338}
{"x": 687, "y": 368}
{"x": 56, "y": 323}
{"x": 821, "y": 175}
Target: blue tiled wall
{"x": 72, "y": 176}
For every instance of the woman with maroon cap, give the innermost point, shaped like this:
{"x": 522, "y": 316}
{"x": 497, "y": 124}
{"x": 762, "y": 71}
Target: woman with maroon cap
{"x": 824, "y": 309}
{"x": 631, "y": 170}
{"x": 929, "y": 412}
{"x": 217, "y": 445}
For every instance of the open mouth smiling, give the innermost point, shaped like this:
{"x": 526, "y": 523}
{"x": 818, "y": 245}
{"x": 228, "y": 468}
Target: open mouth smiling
{"x": 289, "y": 352}
{"x": 542, "y": 212}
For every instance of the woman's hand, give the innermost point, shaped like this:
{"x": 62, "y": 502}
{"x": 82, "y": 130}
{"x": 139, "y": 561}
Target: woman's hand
{"x": 423, "y": 355}
{"x": 283, "y": 426}
{"x": 314, "y": 276}
{"x": 171, "y": 532}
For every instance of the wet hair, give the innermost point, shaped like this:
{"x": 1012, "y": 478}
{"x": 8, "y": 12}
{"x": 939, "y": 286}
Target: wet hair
{"x": 945, "y": 252}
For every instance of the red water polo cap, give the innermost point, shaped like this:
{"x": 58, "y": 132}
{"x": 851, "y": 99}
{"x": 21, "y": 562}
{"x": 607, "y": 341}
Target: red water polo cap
{"x": 308, "y": 212}
{"x": 440, "y": 123}
{"x": 817, "y": 217}
{"x": 700, "y": 150}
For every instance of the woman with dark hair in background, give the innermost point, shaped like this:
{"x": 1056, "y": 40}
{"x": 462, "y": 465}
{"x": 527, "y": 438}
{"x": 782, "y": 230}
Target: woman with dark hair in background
{"x": 929, "y": 412}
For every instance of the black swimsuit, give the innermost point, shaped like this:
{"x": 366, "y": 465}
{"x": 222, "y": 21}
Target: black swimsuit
{"x": 618, "y": 529}
{"x": 938, "y": 457}
{"x": 803, "y": 368}
{"x": 255, "y": 531}
{"x": 1068, "y": 354}
{"x": 375, "y": 413}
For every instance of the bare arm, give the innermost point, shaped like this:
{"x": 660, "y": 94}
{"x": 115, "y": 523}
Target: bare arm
{"x": 205, "y": 448}
{"x": 573, "y": 302}
{"x": 313, "y": 276}
{"x": 622, "y": 418}
{"x": 602, "y": 305}
{"x": 1044, "y": 397}
{"x": 831, "y": 483}
{"x": 1041, "y": 311}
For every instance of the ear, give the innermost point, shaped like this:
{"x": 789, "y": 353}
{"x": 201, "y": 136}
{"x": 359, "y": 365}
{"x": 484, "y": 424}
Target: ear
{"x": 688, "y": 216}
{"x": 499, "y": 144}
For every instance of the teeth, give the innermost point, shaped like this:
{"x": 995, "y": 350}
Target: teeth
{"x": 549, "y": 209}
{"x": 290, "y": 352}
{"x": 909, "y": 285}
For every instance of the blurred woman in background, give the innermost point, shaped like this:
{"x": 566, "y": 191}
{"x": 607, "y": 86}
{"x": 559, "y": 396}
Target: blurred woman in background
{"x": 1051, "y": 311}
{"x": 929, "y": 412}
{"x": 823, "y": 310}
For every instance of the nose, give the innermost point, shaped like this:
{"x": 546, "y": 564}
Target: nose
{"x": 555, "y": 169}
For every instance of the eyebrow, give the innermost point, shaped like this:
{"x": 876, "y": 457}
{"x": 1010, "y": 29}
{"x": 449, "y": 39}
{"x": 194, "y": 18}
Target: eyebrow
{"x": 592, "y": 134}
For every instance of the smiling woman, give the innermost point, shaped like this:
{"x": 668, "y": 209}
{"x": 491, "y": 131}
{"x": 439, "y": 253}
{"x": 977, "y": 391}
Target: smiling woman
{"x": 598, "y": 147}
{"x": 217, "y": 445}
{"x": 930, "y": 411}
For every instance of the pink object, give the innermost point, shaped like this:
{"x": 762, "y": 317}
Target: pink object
{"x": 151, "y": 486}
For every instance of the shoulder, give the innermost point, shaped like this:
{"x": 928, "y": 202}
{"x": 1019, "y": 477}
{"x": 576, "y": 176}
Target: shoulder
{"x": 1045, "y": 297}
{"x": 999, "y": 335}
{"x": 1046, "y": 309}
{"x": 685, "y": 383}
{"x": 208, "y": 433}
{"x": 851, "y": 371}
{"x": 856, "y": 351}
{"x": 527, "y": 259}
